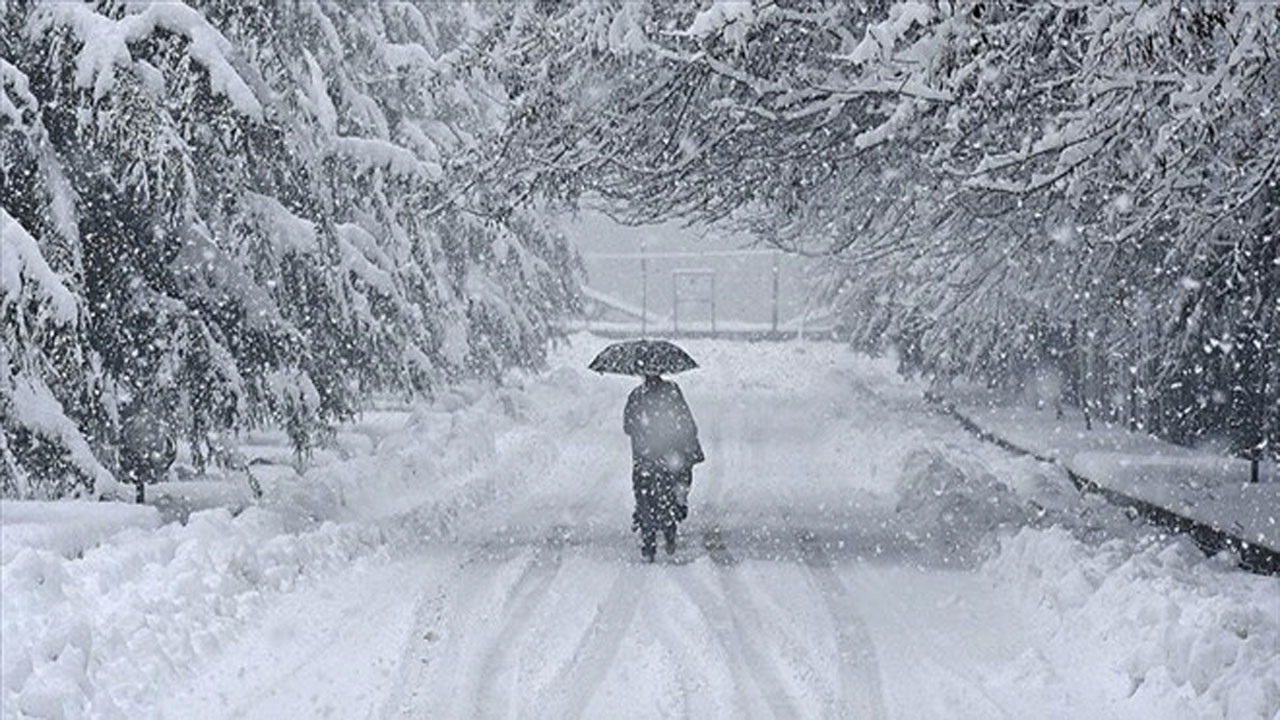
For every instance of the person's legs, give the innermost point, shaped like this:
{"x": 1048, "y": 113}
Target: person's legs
{"x": 649, "y": 543}
{"x": 683, "y": 482}
{"x": 645, "y": 517}
{"x": 666, "y": 506}
{"x": 642, "y": 487}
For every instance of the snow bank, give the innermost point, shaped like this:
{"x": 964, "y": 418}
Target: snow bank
{"x": 1207, "y": 488}
{"x": 1212, "y": 490}
{"x": 1173, "y": 633}
{"x": 65, "y": 528}
{"x": 177, "y": 501}
{"x": 474, "y": 445}
{"x": 103, "y": 608}
{"x": 91, "y": 637}
{"x": 953, "y": 512}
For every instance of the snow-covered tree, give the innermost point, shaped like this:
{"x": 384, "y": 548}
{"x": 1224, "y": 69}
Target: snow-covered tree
{"x": 236, "y": 214}
{"x": 995, "y": 185}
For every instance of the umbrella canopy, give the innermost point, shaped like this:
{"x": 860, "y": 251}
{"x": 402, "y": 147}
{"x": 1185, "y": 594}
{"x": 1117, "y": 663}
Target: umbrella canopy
{"x": 642, "y": 357}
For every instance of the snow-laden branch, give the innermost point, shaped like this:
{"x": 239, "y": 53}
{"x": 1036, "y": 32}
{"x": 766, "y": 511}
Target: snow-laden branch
{"x": 26, "y": 275}
{"x": 105, "y": 46}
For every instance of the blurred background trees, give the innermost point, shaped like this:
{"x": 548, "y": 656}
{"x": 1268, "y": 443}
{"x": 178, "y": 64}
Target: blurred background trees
{"x": 997, "y": 188}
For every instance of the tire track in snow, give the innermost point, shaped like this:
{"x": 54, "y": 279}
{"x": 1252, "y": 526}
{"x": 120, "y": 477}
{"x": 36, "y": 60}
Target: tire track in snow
{"x": 467, "y": 687}
{"x": 859, "y": 684}
{"x": 427, "y": 689}
{"x": 500, "y": 665}
{"x": 739, "y": 641}
{"x": 409, "y": 685}
{"x": 724, "y": 615}
{"x": 577, "y": 682}
{"x": 859, "y": 667}
{"x": 956, "y": 686}
{"x": 419, "y": 691}
{"x": 480, "y": 679}
{"x": 690, "y": 663}
{"x": 790, "y": 655}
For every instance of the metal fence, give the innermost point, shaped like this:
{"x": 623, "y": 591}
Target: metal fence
{"x": 716, "y": 291}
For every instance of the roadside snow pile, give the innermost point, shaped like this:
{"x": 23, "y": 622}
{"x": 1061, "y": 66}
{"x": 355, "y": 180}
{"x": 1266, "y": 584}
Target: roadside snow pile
{"x": 66, "y": 528}
{"x": 472, "y": 446}
{"x": 90, "y": 637}
{"x": 96, "y": 622}
{"x": 1174, "y": 633}
{"x": 954, "y": 512}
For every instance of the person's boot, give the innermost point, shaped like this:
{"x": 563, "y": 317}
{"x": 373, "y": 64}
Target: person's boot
{"x": 649, "y": 545}
{"x": 669, "y": 536}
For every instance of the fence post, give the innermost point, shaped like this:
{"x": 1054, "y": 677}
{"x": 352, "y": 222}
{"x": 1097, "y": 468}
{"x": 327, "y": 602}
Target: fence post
{"x": 713, "y": 304}
{"x": 644, "y": 288}
{"x": 774, "y": 314}
{"x": 675, "y": 303}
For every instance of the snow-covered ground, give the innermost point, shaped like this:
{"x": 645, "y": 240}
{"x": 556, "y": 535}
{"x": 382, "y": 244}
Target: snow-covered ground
{"x": 1201, "y": 485}
{"x": 850, "y": 553}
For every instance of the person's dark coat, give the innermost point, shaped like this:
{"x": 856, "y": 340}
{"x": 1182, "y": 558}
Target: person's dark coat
{"x": 664, "y": 449}
{"x": 661, "y": 427}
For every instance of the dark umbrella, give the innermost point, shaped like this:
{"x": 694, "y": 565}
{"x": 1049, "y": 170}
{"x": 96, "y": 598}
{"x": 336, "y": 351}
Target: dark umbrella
{"x": 642, "y": 357}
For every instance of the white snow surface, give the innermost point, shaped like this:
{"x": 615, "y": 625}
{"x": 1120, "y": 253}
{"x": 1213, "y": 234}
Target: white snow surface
{"x": 1207, "y": 487}
{"x": 849, "y": 553}
{"x": 66, "y": 528}
{"x": 731, "y": 17}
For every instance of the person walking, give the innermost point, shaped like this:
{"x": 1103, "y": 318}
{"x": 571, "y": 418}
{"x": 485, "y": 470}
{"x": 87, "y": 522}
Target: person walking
{"x": 664, "y": 437}
{"x": 664, "y": 449}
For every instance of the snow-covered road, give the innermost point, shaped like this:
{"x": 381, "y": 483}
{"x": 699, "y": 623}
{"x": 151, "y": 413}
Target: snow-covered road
{"x": 850, "y": 553}
{"x": 541, "y": 606}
